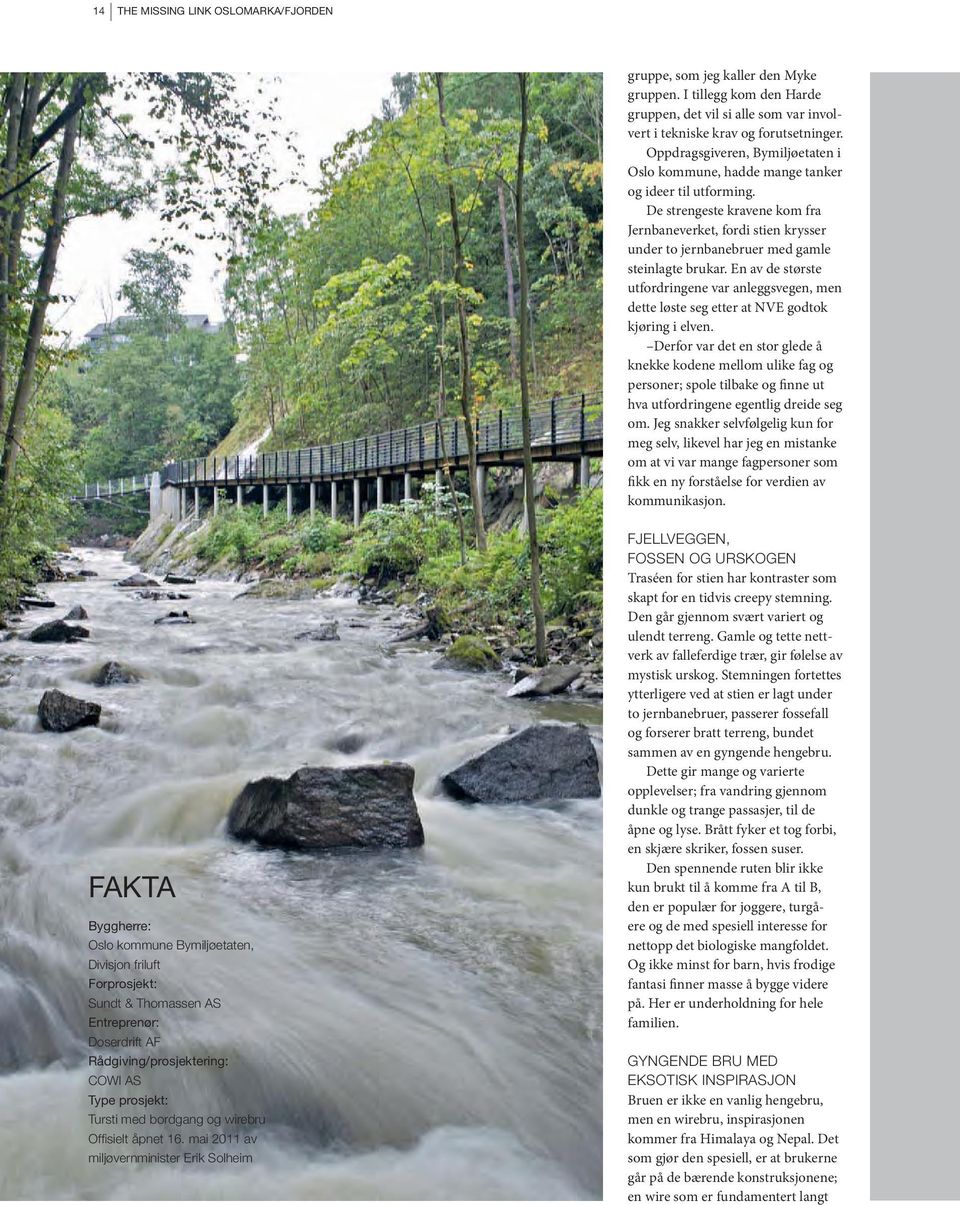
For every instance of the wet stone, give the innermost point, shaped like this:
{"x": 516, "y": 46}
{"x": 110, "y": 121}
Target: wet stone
{"x": 57, "y": 632}
{"x": 60, "y": 712}
{"x": 175, "y": 617}
{"x": 366, "y": 807}
{"x": 112, "y": 673}
{"x": 541, "y": 763}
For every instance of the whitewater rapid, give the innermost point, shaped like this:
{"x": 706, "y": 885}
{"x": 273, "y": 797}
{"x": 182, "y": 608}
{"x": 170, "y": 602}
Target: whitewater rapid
{"x": 413, "y": 1025}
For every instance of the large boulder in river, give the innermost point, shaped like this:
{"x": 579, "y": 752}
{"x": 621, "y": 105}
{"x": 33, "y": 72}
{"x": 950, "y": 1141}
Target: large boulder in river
{"x": 178, "y": 579}
{"x": 62, "y": 713}
{"x": 57, "y": 631}
{"x": 76, "y": 612}
{"x": 543, "y": 762}
{"x": 366, "y": 807}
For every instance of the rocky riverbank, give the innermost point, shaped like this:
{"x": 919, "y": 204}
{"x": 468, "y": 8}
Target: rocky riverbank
{"x": 455, "y": 625}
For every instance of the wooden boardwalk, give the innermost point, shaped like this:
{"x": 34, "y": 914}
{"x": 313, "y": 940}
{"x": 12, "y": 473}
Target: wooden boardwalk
{"x": 561, "y": 429}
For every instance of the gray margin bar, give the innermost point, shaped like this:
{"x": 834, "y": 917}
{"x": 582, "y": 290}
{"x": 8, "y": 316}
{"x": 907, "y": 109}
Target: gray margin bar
{"x": 915, "y": 667}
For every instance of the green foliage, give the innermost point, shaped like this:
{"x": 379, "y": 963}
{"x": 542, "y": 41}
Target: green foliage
{"x": 234, "y": 536}
{"x": 324, "y": 534}
{"x": 83, "y": 144}
{"x": 151, "y": 398}
{"x": 276, "y": 551}
{"x": 494, "y": 586}
{"x": 154, "y": 289}
{"x": 245, "y": 536}
{"x": 417, "y": 544}
{"x": 126, "y": 516}
{"x": 37, "y": 511}
{"x": 572, "y": 555}
{"x": 494, "y": 582}
{"x": 349, "y": 315}
{"x": 396, "y": 541}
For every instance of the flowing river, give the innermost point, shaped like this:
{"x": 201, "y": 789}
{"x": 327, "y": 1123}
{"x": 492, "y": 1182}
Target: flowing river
{"x": 422, "y": 1024}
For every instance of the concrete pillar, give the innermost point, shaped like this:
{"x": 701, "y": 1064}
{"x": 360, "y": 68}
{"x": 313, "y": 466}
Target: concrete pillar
{"x": 216, "y": 500}
{"x": 356, "y": 501}
{"x": 379, "y": 493}
{"x": 313, "y": 498}
{"x": 266, "y": 498}
{"x": 239, "y": 497}
{"x": 482, "y": 481}
{"x": 408, "y": 487}
{"x": 156, "y": 495}
{"x": 333, "y": 499}
{"x": 584, "y": 481}
{"x": 289, "y": 501}
{"x": 183, "y": 505}
{"x": 196, "y": 501}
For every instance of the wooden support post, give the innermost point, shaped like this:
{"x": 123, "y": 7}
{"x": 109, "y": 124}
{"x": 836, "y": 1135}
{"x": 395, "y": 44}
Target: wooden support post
{"x": 356, "y": 501}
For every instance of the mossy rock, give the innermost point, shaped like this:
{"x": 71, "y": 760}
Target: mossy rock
{"x": 471, "y": 652}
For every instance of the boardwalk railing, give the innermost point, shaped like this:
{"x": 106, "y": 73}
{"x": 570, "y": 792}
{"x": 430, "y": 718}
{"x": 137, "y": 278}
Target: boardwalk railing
{"x": 137, "y": 483}
{"x": 561, "y": 426}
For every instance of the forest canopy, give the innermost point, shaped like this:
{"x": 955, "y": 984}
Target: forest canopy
{"x": 393, "y": 298}
{"x": 348, "y": 314}
{"x": 74, "y": 146}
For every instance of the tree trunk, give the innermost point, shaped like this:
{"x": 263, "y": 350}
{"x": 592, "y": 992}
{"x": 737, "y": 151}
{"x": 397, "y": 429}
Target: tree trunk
{"x": 441, "y": 414}
{"x": 508, "y": 269}
{"x": 24, "y": 98}
{"x": 14, "y": 109}
{"x": 536, "y": 602}
{"x": 38, "y": 313}
{"x": 466, "y": 388}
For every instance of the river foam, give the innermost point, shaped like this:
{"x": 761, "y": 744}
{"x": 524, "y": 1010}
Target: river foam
{"x": 413, "y": 1025}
